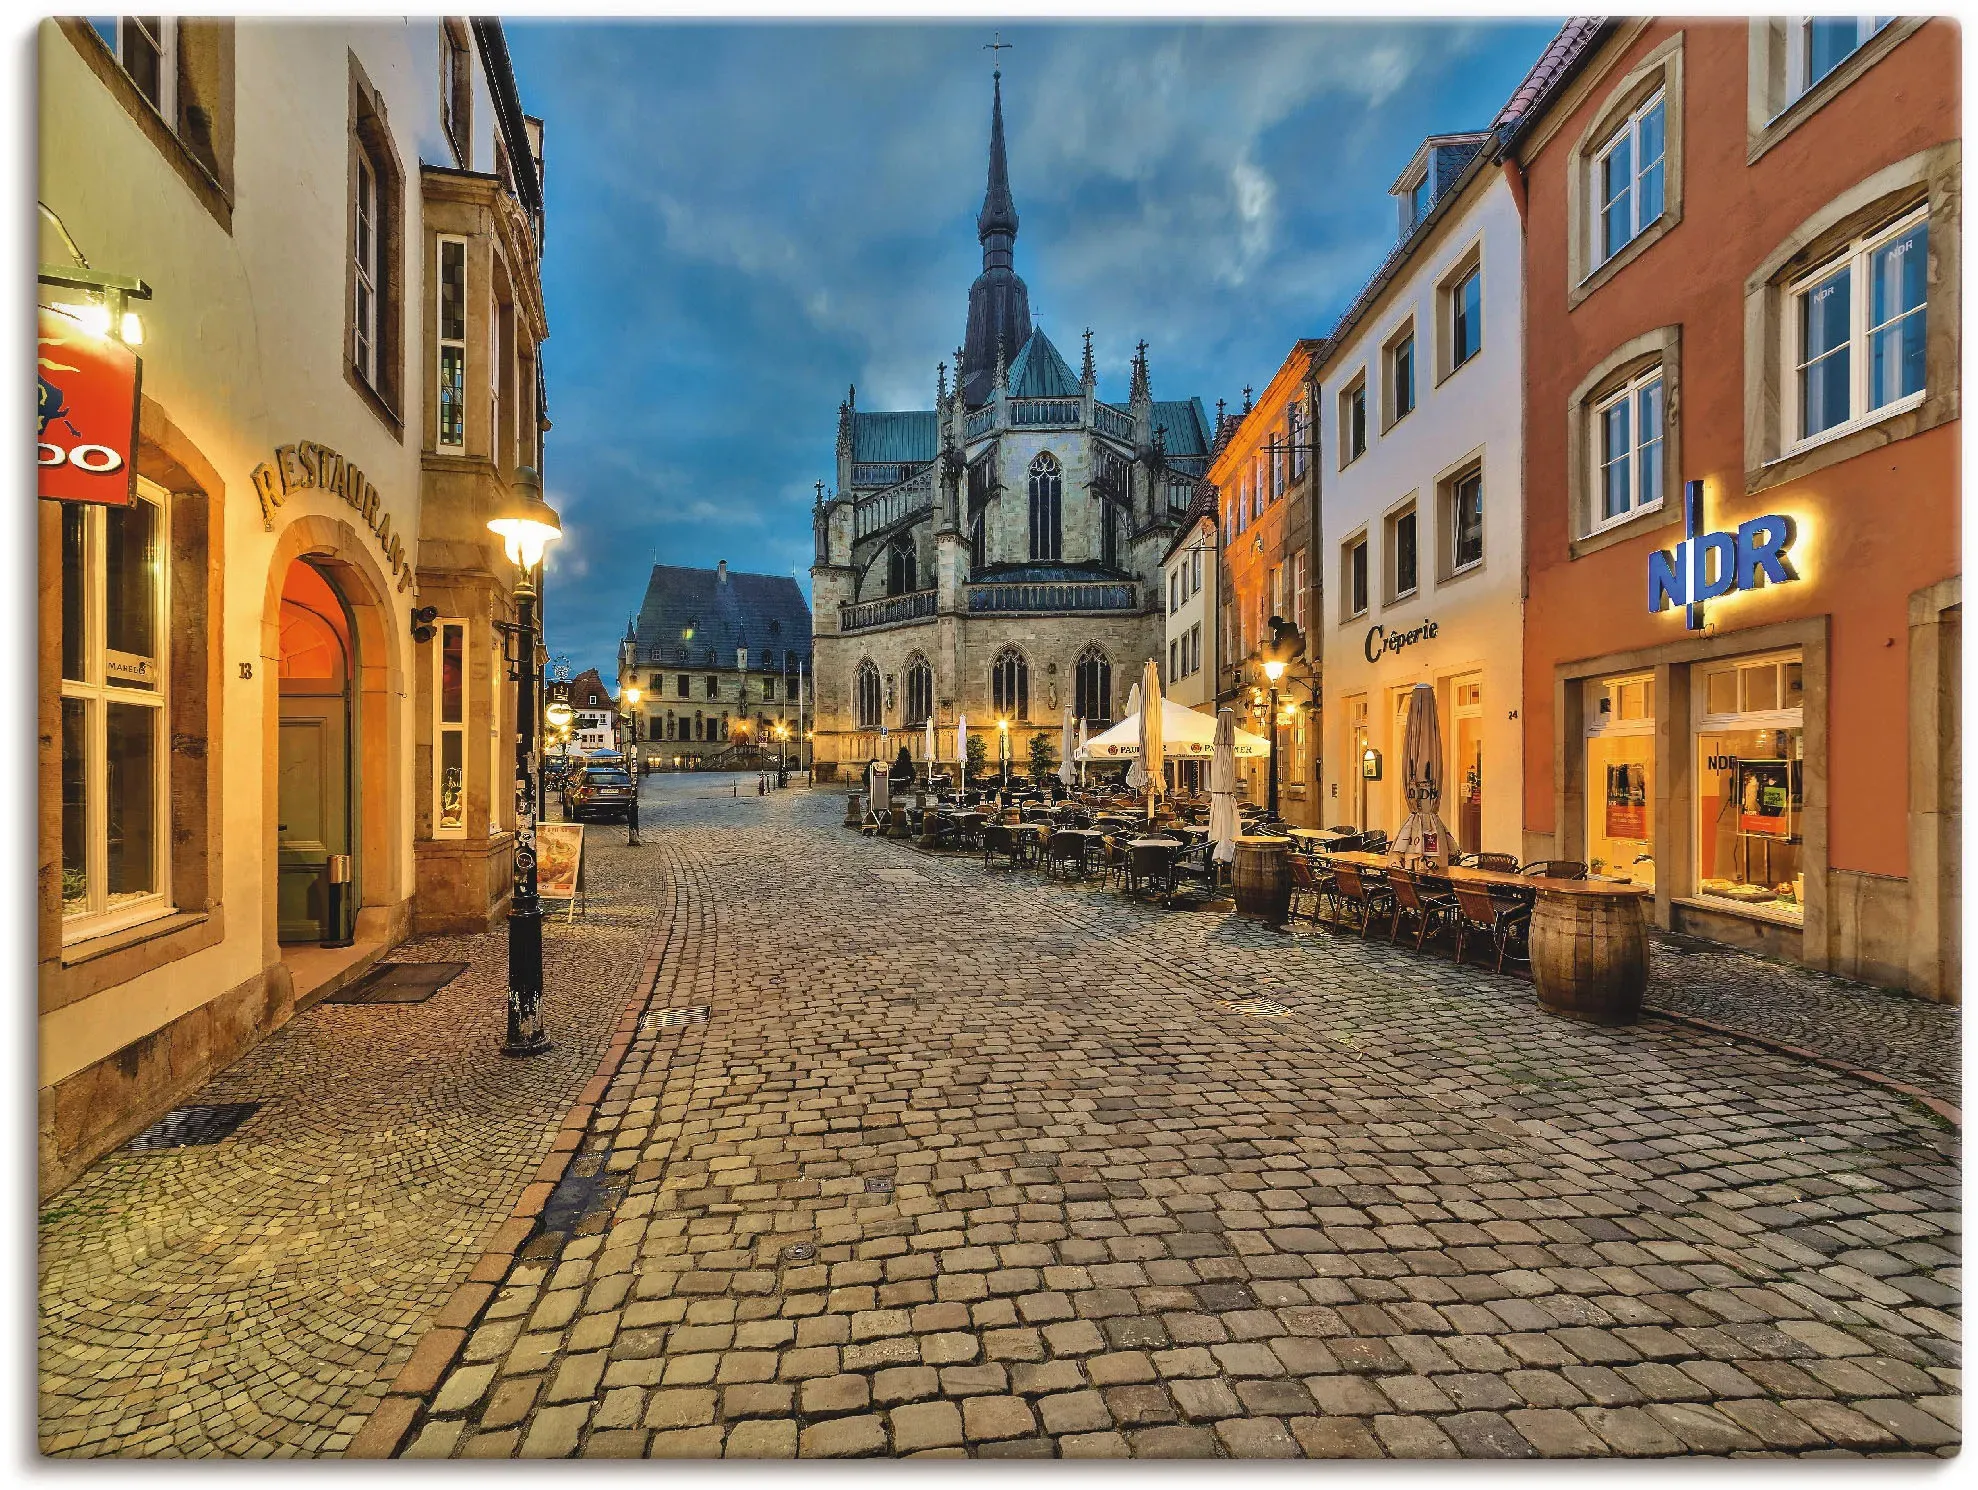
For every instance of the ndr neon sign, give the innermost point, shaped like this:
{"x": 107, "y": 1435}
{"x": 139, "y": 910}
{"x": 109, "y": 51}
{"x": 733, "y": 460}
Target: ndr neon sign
{"x": 1705, "y": 566}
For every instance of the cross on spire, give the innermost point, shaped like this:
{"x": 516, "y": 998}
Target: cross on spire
{"x": 998, "y": 45}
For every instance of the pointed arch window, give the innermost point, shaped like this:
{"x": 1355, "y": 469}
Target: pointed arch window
{"x": 901, "y": 576}
{"x": 978, "y": 547}
{"x": 1009, "y": 684}
{"x": 1046, "y": 500}
{"x": 920, "y": 690}
{"x": 865, "y": 695}
{"x": 1093, "y": 686}
{"x": 1112, "y": 534}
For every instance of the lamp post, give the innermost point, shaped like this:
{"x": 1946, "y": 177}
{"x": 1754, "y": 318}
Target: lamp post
{"x": 629, "y": 722}
{"x": 1273, "y": 670}
{"x": 526, "y": 525}
{"x": 782, "y": 734}
{"x": 1003, "y": 752}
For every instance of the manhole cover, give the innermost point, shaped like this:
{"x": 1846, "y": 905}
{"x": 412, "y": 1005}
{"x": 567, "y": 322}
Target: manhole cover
{"x": 879, "y": 1185}
{"x": 184, "y": 1127}
{"x": 667, "y": 1019}
{"x": 800, "y": 1251}
{"x": 399, "y": 983}
{"x": 1257, "y": 1008}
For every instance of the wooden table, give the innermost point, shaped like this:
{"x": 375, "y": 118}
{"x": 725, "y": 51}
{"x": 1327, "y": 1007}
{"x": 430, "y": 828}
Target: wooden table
{"x": 1589, "y": 938}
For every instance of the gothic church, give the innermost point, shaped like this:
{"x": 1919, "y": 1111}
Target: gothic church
{"x": 999, "y": 555}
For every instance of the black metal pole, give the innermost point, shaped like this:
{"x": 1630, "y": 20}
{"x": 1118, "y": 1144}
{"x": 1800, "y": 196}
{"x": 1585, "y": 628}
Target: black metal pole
{"x": 632, "y": 768}
{"x": 1270, "y": 809}
{"x": 526, "y": 1035}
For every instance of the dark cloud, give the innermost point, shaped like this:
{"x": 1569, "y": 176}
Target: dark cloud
{"x": 744, "y": 218}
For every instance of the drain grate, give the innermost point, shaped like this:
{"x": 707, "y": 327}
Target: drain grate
{"x": 879, "y": 1185}
{"x": 800, "y": 1251}
{"x": 399, "y": 983}
{"x": 185, "y": 1127}
{"x": 1257, "y": 1008}
{"x": 668, "y": 1019}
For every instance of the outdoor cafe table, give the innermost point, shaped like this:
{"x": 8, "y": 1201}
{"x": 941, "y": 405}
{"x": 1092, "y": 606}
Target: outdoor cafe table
{"x": 1589, "y": 938}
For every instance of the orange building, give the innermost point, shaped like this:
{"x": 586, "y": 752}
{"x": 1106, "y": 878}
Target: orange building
{"x": 1265, "y": 474}
{"x": 1741, "y": 477}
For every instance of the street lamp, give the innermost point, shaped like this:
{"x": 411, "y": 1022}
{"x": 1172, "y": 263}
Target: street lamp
{"x": 782, "y": 734}
{"x": 628, "y": 721}
{"x": 526, "y": 526}
{"x": 1003, "y": 751}
{"x": 1273, "y": 670}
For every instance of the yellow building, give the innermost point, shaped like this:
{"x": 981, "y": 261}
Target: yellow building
{"x": 284, "y": 660}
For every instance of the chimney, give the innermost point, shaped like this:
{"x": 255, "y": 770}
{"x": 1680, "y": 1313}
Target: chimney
{"x": 721, "y": 573}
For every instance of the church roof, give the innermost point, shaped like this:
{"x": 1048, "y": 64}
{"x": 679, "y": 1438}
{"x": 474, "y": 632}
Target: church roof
{"x": 710, "y": 613}
{"x": 911, "y": 435}
{"x": 1039, "y": 372}
{"x": 1184, "y": 424}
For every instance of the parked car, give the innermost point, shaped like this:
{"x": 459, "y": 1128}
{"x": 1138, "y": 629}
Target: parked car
{"x": 598, "y": 792}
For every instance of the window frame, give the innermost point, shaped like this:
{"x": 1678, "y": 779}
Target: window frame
{"x": 1390, "y": 356}
{"x": 1407, "y": 511}
{"x": 94, "y": 691}
{"x": 442, "y": 726}
{"x": 1093, "y": 673}
{"x": 444, "y": 343}
{"x": 1355, "y": 582}
{"x": 1353, "y": 431}
{"x": 1629, "y": 130}
{"x": 865, "y": 681}
{"x": 1629, "y": 389}
{"x": 1467, "y": 270}
{"x": 1452, "y": 488}
{"x": 1046, "y": 487}
{"x": 1011, "y": 660}
{"x": 166, "y": 45}
{"x": 1775, "y": 107}
{"x": 1856, "y": 258}
{"x": 917, "y": 678}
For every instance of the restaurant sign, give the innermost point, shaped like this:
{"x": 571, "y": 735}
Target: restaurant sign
{"x": 86, "y": 413}
{"x": 1380, "y": 639}
{"x": 1705, "y": 566}
{"x": 307, "y": 466}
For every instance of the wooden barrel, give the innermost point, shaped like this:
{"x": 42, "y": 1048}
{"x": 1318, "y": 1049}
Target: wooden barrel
{"x": 855, "y": 810}
{"x": 1262, "y": 879}
{"x": 1590, "y": 955}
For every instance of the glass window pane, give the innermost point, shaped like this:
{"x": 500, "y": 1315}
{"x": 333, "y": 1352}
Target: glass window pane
{"x": 130, "y": 801}
{"x": 1829, "y": 42}
{"x": 75, "y": 589}
{"x": 453, "y": 791}
{"x": 1469, "y": 521}
{"x": 75, "y": 806}
{"x": 1648, "y": 460}
{"x": 1614, "y": 440}
{"x": 1404, "y": 554}
{"x": 1648, "y": 198}
{"x": 453, "y": 291}
{"x": 1722, "y": 689}
{"x": 1824, "y": 319}
{"x": 453, "y": 641}
{"x": 453, "y": 396}
{"x": 1648, "y": 133}
{"x": 132, "y": 565}
{"x": 1469, "y": 300}
{"x": 1896, "y": 278}
{"x": 1896, "y": 311}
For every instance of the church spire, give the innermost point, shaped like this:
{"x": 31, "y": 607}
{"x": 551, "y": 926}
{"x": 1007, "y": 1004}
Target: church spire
{"x": 995, "y": 225}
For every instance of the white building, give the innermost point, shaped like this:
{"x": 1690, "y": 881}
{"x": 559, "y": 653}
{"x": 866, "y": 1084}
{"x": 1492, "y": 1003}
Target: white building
{"x": 1420, "y": 526}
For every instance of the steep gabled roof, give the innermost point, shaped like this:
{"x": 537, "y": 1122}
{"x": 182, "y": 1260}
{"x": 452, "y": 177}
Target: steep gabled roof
{"x": 588, "y": 685}
{"x": 1555, "y": 64}
{"x": 1184, "y": 425}
{"x": 1039, "y": 372}
{"x": 910, "y": 435}
{"x": 711, "y": 613}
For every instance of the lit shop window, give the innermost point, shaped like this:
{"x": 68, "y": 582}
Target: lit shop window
{"x": 1750, "y": 764}
{"x": 1620, "y": 728}
{"x": 115, "y": 792}
{"x": 450, "y": 735}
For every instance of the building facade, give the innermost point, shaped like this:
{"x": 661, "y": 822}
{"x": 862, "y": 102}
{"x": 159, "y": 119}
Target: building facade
{"x": 1421, "y": 514}
{"x": 722, "y": 660}
{"x": 1267, "y": 485}
{"x": 251, "y": 749}
{"x": 593, "y": 715}
{"x": 1743, "y": 262}
{"x": 999, "y": 556}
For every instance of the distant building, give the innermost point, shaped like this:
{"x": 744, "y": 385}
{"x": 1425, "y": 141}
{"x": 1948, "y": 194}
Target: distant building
{"x": 722, "y": 660}
{"x": 999, "y": 555}
{"x": 594, "y": 725}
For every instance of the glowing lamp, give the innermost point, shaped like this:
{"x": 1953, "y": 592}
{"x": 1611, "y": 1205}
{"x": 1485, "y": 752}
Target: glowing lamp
{"x": 1274, "y": 669}
{"x": 527, "y": 523}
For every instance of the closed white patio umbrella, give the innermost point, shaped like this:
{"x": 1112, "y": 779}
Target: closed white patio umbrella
{"x": 1136, "y": 778}
{"x": 1081, "y": 752}
{"x": 930, "y": 750}
{"x": 1067, "y": 745}
{"x": 1222, "y": 788}
{"x": 1424, "y": 834}
{"x": 961, "y": 750}
{"x": 1152, "y": 762}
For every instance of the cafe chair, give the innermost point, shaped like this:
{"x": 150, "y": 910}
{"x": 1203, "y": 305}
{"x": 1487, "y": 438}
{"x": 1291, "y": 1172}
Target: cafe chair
{"x": 1311, "y": 882}
{"x": 1373, "y": 843}
{"x": 1066, "y": 856}
{"x": 1431, "y": 910}
{"x": 1366, "y": 891}
{"x": 1505, "y": 925}
{"x": 1194, "y": 866}
{"x": 1556, "y": 869}
{"x": 998, "y": 839}
{"x": 1499, "y": 863}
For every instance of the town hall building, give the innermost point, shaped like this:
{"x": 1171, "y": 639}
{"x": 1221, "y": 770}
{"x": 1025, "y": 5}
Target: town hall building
{"x": 998, "y": 556}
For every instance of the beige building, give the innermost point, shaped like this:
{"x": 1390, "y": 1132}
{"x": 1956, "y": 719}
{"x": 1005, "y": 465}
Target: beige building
{"x": 285, "y": 658}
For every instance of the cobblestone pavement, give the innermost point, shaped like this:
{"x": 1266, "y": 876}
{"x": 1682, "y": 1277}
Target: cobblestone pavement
{"x": 968, "y": 1162}
{"x": 253, "y": 1298}
{"x": 1871, "y": 1028}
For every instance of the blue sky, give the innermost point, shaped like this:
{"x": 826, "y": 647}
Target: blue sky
{"x": 746, "y": 217}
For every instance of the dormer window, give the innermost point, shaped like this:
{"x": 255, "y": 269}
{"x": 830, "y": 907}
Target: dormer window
{"x": 1419, "y": 198}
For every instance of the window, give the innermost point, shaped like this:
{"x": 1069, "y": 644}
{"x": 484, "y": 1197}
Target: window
{"x": 450, "y": 732}
{"x": 1195, "y": 648}
{"x": 920, "y": 690}
{"x": 1466, "y": 317}
{"x": 684, "y": 681}
{"x": 1823, "y": 43}
{"x": 865, "y": 695}
{"x": 1046, "y": 494}
{"x": 1353, "y": 421}
{"x": 1404, "y": 557}
{"x": 116, "y": 796}
{"x": 457, "y": 92}
{"x": 1301, "y": 439}
{"x": 1009, "y": 682}
{"x": 1298, "y": 589}
{"x": 1111, "y": 534}
{"x": 1401, "y": 376}
{"x": 1242, "y": 504}
{"x": 978, "y": 551}
{"x": 1277, "y": 468}
{"x": 1195, "y": 572}
{"x": 711, "y": 684}
{"x": 1174, "y": 591}
{"x": 769, "y": 688}
{"x": 1465, "y": 508}
{"x": 144, "y": 46}
{"x": 1420, "y": 196}
{"x": 1355, "y": 553}
{"x": 1797, "y": 64}
{"x": 1628, "y": 449}
{"x": 901, "y": 577}
{"x": 374, "y": 268}
{"x": 1628, "y": 174}
{"x": 452, "y": 433}
{"x": 1174, "y": 660}
{"x": 365, "y": 266}
{"x": 1277, "y": 591}
{"x": 1858, "y": 329}
{"x": 1748, "y": 715}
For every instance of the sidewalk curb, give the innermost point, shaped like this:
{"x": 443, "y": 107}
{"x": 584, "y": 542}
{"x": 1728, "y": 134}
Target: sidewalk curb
{"x": 384, "y": 1432}
{"x": 1936, "y": 1105}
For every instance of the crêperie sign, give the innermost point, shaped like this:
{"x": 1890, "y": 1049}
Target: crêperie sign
{"x": 1380, "y": 640}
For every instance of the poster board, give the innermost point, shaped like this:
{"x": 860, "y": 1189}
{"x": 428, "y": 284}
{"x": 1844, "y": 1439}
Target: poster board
{"x": 1764, "y": 797}
{"x": 560, "y": 862}
{"x": 1627, "y": 801}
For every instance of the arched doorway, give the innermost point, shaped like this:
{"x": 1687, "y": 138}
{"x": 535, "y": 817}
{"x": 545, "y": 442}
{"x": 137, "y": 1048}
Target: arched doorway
{"x": 315, "y": 788}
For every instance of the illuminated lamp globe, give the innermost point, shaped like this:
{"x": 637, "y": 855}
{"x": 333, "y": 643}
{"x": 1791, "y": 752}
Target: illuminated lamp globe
{"x": 558, "y": 714}
{"x": 527, "y": 523}
{"x": 1274, "y": 669}
{"x": 632, "y": 696}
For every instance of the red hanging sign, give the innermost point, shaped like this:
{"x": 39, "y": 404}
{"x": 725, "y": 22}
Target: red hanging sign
{"x": 86, "y": 410}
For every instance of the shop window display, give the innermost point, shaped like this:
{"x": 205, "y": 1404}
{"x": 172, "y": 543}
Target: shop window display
{"x": 1751, "y": 752}
{"x": 1620, "y": 793}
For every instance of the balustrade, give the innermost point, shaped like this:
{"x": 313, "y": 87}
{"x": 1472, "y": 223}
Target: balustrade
{"x": 888, "y": 610}
{"x": 1050, "y": 596}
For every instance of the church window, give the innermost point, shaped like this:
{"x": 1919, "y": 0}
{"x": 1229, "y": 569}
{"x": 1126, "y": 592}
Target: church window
{"x": 978, "y": 548}
{"x": 920, "y": 690}
{"x": 1046, "y": 496}
{"x": 865, "y": 695}
{"x": 1009, "y": 683}
{"x": 1110, "y": 534}
{"x": 1093, "y": 686}
{"x": 900, "y": 576}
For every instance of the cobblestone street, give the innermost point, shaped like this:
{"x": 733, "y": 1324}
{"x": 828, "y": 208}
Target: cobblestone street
{"x": 906, "y": 1157}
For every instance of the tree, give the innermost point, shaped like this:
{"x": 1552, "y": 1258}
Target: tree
{"x": 1043, "y": 757}
{"x": 978, "y": 756}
